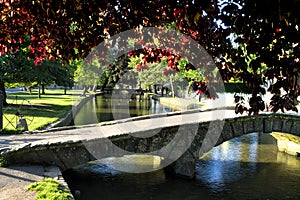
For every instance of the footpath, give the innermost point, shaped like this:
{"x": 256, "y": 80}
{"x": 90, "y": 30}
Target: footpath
{"x": 14, "y": 180}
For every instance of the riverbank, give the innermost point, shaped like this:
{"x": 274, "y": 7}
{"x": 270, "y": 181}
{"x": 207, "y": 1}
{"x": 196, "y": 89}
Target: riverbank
{"x": 14, "y": 180}
{"x": 287, "y": 143}
{"x": 54, "y": 108}
{"x": 225, "y": 101}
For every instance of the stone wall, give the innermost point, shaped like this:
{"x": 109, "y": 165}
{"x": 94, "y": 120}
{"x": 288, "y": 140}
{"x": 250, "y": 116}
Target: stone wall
{"x": 172, "y": 139}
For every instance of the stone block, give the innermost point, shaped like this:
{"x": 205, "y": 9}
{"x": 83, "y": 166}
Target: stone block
{"x": 277, "y": 125}
{"x": 155, "y": 144}
{"x": 238, "y": 128}
{"x": 248, "y": 126}
{"x": 286, "y": 126}
{"x": 143, "y": 146}
{"x": 227, "y": 132}
{"x": 21, "y": 157}
{"x": 200, "y": 137}
{"x": 201, "y": 133}
{"x": 195, "y": 146}
{"x": 72, "y": 156}
{"x": 268, "y": 125}
{"x": 295, "y": 130}
{"x": 207, "y": 145}
{"x": 101, "y": 148}
{"x": 52, "y": 158}
{"x": 185, "y": 166}
{"x": 258, "y": 124}
{"x": 220, "y": 140}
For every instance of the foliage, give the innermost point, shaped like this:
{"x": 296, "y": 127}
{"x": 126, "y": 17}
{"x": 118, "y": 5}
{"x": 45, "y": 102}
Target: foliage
{"x": 3, "y": 162}
{"x": 93, "y": 73}
{"x": 250, "y": 40}
{"x": 49, "y": 189}
{"x": 149, "y": 74}
{"x": 12, "y": 65}
{"x": 18, "y": 67}
{"x": 268, "y": 51}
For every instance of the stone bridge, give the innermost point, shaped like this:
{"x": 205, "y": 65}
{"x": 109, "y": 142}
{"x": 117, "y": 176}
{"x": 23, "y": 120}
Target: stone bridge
{"x": 180, "y": 138}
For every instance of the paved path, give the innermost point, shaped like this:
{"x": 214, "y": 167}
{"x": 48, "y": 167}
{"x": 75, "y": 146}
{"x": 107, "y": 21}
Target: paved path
{"x": 14, "y": 180}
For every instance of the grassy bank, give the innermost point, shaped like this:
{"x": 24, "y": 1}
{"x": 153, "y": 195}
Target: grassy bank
{"x": 50, "y": 189}
{"x": 179, "y": 103}
{"x": 38, "y": 112}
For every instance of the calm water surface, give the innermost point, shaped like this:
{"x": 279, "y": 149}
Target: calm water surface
{"x": 248, "y": 167}
{"x": 104, "y": 108}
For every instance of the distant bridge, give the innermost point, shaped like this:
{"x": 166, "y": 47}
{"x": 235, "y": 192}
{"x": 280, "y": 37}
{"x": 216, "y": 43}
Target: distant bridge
{"x": 180, "y": 137}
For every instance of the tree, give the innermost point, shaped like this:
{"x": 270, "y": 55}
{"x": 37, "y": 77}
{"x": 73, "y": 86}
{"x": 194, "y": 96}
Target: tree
{"x": 50, "y": 72}
{"x": 254, "y": 41}
{"x": 267, "y": 35}
{"x": 13, "y": 67}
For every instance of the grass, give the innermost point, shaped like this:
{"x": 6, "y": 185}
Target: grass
{"x": 3, "y": 162}
{"x": 38, "y": 112}
{"x": 49, "y": 189}
{"x": 180, "y": 103}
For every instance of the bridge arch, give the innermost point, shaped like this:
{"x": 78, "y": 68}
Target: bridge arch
{"x": 233, "y": 127}
{"x": 69, "y": 152}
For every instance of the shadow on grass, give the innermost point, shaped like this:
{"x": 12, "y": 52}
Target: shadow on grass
{"x": 42, "y": 110}
{"x": 9, "y": 132}
{"x": 25, "y": 97}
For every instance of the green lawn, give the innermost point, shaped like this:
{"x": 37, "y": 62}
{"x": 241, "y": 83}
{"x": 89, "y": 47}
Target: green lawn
{"x": 180, "y": 104}
{"x": 38, "y": 112}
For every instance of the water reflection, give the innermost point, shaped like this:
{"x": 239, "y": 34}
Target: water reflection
{"x": 249, "y": 167}
{"x": 132, "y": 163}
{"x": 105, "y": 108}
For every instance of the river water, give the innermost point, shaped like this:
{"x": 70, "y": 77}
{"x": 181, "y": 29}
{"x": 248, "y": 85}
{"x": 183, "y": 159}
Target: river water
{"x": 248, "y": 167}
{"x": 105, "y": 108}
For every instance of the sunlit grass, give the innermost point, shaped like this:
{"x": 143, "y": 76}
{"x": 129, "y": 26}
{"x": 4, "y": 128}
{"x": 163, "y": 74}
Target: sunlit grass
{"x": 49, "y": 189}
{"x": 38, "y": 112}
{"x": 180, "y": 104}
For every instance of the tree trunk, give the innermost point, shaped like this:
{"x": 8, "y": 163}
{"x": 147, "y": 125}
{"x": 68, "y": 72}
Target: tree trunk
{"x": 2, "y": 89}
{"x": 85, "y": 90}
{"x": 39, "y": 91}
{"x": 43, "y": 89}
{"x": 155, "y": 89}
{"x": 94, "y": 88}
{"x": 65, "y": 91}
{"x": 103, "y": 87}
{"x": 172, "y": 87}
